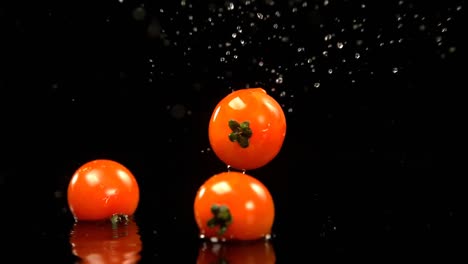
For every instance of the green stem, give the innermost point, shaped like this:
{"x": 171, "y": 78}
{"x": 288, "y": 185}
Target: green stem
{"x": 222, "y": 218}
{"x": 117, "y": 219}
{"x": 241, "y": 132}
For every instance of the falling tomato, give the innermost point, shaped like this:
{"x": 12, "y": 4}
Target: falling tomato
{"x": 247, "y": 129}
{"x": 102, "y": 188}
{"x": 234, "y": 206}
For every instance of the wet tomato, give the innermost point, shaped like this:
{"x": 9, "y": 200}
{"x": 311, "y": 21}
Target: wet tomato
{"x": 247, "y": 129}
{"x": 102, "y": 188}
{"x": 234, "y": 206}
{"x": 256, "y": 252}
{"x": 105, "y": 242}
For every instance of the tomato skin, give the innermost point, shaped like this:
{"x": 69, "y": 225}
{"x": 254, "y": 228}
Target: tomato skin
{"x": 102, "y": 188}
{"x": 248, "y": 200}
{"x": 256, "y": 252}
{"x": 266, "y": 120}
{"x": 98, "y": 242}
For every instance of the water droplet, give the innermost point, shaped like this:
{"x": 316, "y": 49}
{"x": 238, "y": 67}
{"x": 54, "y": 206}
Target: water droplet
{"x": 357, "y": 55}
{"x": 178, "y": 111}
{"x": 139, "y": 13}
{"x": 202, "y": 236}
{"x": 339, "y": 45}
{"x": 228, "y": 168}
{"x": 58, "y": 194}
{"x": 395, "y": 70}
{"x": 243, "y": 171}
{"x": 316, "y": 85}
{"x": 279, "y": 80}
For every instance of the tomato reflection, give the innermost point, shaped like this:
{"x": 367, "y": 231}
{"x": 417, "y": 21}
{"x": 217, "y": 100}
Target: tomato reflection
{"x": 252, "y": 252}
{"x": 101, "y": 242}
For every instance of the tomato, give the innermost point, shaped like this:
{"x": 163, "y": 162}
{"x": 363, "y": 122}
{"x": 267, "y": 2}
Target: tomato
{"x": 256, "y": 252}
{"x": 101, "y": 242}
{"x": 247, "y": 129}
{"x": 234, "y": 206}
{"x": 102, "y": 188}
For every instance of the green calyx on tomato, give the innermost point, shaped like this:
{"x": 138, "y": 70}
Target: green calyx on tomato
{"x": 241, "y": 132}
{"x": 221, "y": 217}
{"x": 119, "y": 219}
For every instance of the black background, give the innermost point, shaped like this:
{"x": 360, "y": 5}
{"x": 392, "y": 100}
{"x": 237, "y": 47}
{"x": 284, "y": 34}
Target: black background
{"x": 370, "y": 91}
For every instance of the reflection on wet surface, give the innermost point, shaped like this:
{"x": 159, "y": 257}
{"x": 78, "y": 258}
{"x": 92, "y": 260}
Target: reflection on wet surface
{"x": 101, "y": 242}
{"x": 252, "y": 252}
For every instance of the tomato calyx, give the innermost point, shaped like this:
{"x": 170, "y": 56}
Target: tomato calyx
{"x": 221, "y": 217}
{"x": 241, "y": 132}
{"x": 119, "y": 219}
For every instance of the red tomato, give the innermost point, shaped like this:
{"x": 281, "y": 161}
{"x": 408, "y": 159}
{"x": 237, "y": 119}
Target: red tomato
{"x": 102, "y": 188}
{"x": 247, "y": 129}
{"x": 101, "y": 242}
{"x": 256, "y": 252}
{"x": 234, "y": 206}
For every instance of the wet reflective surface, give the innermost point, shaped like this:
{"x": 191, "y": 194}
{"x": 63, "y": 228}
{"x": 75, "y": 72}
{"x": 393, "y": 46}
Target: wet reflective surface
{"x": 102, "y": 242}
{"x": 254, "y": 252}
{"x": 373, "y": 93}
